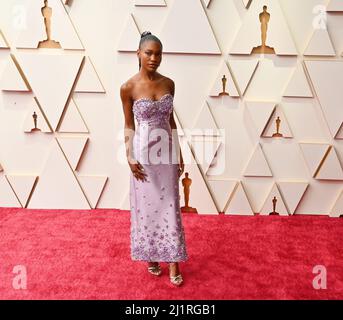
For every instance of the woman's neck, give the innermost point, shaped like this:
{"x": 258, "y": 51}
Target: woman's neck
{"x": 148, "y": 76}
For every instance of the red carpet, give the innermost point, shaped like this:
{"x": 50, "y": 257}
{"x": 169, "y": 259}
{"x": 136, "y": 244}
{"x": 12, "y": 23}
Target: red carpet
{"x": 86, "y": 255}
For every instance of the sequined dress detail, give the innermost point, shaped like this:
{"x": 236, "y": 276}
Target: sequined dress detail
{"x": 157, "y": 232}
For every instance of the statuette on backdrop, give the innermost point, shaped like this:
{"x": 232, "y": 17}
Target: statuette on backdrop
{"x": 273, "y": 213}
{"x": 186, "y": 182}
{"x": 35, "y": 116}
{"x": 264, "y": 19}
{"x": 277, "y": 134}
{"x": 47, "y": 14}
{"x": 224, "y": 80}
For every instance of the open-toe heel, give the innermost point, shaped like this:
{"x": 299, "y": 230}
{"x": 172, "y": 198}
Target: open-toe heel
{"x": 176, "y": 280}
{"x": 155, "y": 270}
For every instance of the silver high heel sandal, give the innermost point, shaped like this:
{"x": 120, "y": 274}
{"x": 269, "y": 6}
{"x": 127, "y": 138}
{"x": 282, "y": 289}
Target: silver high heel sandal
{"x": 155, "y": 270}
{"x": 176, "y": 280}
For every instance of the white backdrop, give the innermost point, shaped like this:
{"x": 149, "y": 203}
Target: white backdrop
{"x": 74, "y": 162}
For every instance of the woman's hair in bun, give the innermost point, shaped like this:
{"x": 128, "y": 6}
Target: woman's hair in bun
{"x": 145, "y": 33}
{"x": 148, "y": 36}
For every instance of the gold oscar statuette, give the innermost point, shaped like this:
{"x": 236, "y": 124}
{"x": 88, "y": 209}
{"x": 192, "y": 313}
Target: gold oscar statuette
{"x": 277, "y": 134}
{"x": 186, "y": 182}
{"x": 264, "y": 19}
{"x": 34, "y": 116}
{"x": 47, "y": 14}
{"x": 224, "y": 80}
{"x": 273, "y": 213}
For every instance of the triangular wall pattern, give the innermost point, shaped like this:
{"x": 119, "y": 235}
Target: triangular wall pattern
{"x": 177, "y": 30}
{"x": 314, "y": 154}
{"x": 22, "y": 186}
{"x": 292, "y": 192}
{"x": 200, "y": 197}
{"x": 239, "y": 203}
{"x": 57, "y": 187}
{"x": 62, "y": 29}
{"x": 257, "y": 165}
{"x": 3, "y": 42}
{"x": 340, "y": 133}
{"x": 130, "y": 37}
{"x": 205, "y": 124}
{"x": 73, "y": 148}
{"x": 7, "y": 195}
{"x": 331, "y": 168}
{"x": 246, "y": 3}
{"x": 29, "y": 123}
{"x": 337, "y": 209}
{"x": 243, "y": 71}
{"x": 93, "y": 187}
{"x": 72, "y": 121}
{"x": 278, "y": 35}
{"x": 89, "y": 80}
{"x": 218, "y": 87}
{"x": 204, "y": 151}
{"x": 280, "y": 206}
{"x": 327, "y": 79}
{"x": 13, "y": 78}
{"x": 60, "y": 72}
{"x": 221, "y": 191}
{"x": 298, "y": 85}
{"x": 320, "y": 44}
{"x": 260, "y": 112}
{"x": 271, "y": 128}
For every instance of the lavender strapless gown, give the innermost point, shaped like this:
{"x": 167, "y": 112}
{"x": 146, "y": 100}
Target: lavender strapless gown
{"x": 157, "y": 233}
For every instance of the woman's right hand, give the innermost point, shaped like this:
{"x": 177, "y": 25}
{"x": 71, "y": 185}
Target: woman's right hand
{"x": 137, "y": 170}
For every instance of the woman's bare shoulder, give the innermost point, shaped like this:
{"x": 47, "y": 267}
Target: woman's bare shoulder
{"x": 169, "y": 82}
{"x": 165, "y": 78}
{"x": 128, "y": 85}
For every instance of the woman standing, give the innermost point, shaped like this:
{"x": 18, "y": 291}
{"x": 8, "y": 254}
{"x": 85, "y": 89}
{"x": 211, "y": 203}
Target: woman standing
{"x": 157, "y": 233}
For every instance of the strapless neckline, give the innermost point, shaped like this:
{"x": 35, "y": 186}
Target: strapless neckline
{"x": 148, "y": 99}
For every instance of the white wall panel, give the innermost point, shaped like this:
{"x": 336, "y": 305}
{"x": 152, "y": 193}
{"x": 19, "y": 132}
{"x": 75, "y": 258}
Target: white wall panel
{"x": 75, "y": 92}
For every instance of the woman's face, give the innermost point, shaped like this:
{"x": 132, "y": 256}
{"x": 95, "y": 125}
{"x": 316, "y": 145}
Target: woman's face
{"x": 150, "y": 55}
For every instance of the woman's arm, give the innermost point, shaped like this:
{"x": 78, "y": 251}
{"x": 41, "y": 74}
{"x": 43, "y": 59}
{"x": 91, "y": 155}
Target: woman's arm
{"x": 129, "y": 126}
{"x": 175, "y": 134}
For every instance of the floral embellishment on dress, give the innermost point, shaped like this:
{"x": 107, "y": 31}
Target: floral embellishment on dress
{"x": 146, "y": 110}
{"x": 154, "y": 237}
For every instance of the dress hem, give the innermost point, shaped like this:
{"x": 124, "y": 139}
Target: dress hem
{"x": 157, "y": 259}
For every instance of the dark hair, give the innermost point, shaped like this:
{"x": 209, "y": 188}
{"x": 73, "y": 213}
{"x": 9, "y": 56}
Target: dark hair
{"x": 147, "y": 36}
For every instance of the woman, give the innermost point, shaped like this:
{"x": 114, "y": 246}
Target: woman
{"x": 157, "y": 233}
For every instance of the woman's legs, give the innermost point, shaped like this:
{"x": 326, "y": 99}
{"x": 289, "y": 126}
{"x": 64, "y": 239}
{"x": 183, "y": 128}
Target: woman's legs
{"x": 174, "y": 274}
{"x": 174, "y": 269}
{"x": 152, "y": 264}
